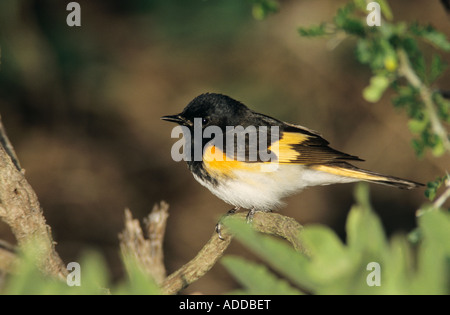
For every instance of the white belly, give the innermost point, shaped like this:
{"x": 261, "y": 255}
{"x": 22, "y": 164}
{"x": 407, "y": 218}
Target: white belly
{"x": 264, "y": 190}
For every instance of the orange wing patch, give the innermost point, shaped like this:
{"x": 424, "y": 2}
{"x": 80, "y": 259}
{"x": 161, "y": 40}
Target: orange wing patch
{"x": 307, "y": 149}
{"x": 217, "y": 162}
{"x": 284, "y": 148}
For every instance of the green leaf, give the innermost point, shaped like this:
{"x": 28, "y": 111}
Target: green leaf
{"x": 386, "y": 9}
{"x": 436, "y": 228}
{"x": 329, "y": 257}
{"x": 418, "y": 147}
{"x": 364, "y": 51}
{"x": 279, "y": 255}
{"x": 398, "y": 267}
{"x": 438, "y": 148}
{"x": 443, "y": 106}
{"x": 138, "y": 281}
{"x": 313, "y": 31}
{"x": 418, "y": 125}
{"x": 378, "y": 84}
{"x": 256, "y": 278}
{"x": 365, "y": 232}
{"x": 433, "y": 270}
{"x": 263, "y": 8}
{"x": 433, "y": 186}
{"x": 431, "y": 35}
{"x": 94, "y": 273}
{"x": 438, "y": 66}
{"x": 29, "y": 280}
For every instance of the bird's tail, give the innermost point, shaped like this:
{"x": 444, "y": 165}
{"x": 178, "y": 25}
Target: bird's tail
{"x": 348, "y": 170}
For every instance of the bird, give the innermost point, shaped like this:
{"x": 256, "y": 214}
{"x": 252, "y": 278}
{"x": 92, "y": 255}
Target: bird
{"x": 299, "y": 156}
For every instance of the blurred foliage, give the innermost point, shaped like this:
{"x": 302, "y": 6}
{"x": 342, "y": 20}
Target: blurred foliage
{"x": 433, "y": 186}
{"x": 94, "y": 278}
{"x": 334, "y": 267}
{"x": 263, "y": 8}
{"x": 381, "y": 48}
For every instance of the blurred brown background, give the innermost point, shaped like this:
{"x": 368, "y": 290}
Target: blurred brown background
{"x": 82, "y": 107}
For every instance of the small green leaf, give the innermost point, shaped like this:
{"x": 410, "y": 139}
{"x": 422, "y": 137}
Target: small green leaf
{"x": 419, "y": 147}
{"x": 364, "y": 51}
{"x": 399, "y": 267}
{"x": 365, "y": 232}
{"x": 438, "y": 66}
{"x": 433, "y": 186}
{"x": 329, "y": 257}
{"x": 256, "y": 278}
{"x": 386, "y": 9}
{"x": 433, "y": 268}
{"x": 138, "y": 281}
{"x": 263, "y": 8}
{"x": 418, "y": 125}
{"x": 433, "y": 36}
{"x": 443, "y": 106}
{"x": 313, "y": 31}
{"x": 378, "y": 84}
{"x": 279, "y": 255}
{"x": 438, "y": 148}
{"x": 94, "y": 273}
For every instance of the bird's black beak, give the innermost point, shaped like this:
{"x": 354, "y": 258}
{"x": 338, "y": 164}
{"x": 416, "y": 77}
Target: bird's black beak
{"x": 177, "y": 119}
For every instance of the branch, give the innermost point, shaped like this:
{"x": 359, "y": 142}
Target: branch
{"x": 200, "y": 265}
{"x": 148, "y": 252}
{"x": 4, "y": 141}
{"x": 265, "y": 222}
{"x": 20, "y": 209}
{"x": 406, "y": 70}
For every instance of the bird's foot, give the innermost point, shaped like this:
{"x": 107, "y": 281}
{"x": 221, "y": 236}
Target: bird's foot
{"x": 218, "y": 227}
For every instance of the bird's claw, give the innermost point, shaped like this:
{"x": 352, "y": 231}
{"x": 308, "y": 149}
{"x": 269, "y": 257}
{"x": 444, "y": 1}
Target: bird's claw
{"x": 218, "y": 227}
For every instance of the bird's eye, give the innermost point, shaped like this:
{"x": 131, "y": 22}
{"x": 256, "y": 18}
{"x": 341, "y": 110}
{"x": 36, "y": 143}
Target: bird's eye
{"x": 205, "y": 121}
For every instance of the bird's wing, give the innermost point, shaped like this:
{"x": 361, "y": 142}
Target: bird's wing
{"x": 299, "y": 145}
{"x": 287, "y": 144}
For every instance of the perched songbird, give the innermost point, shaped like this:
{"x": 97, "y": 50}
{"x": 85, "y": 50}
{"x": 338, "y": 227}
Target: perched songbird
{"x": 286, "y": 157}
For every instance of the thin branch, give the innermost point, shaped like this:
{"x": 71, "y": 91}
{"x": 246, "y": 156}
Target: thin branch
{"x": 200, "y": 265}
{"x": 155, "y": 225}
{"x": 148, "y": 252}
{"x": 444, "y": 196}
{"x": 4, "y": 141}
{"x": 269, "y": 223}
{"x": 407, "y": 71}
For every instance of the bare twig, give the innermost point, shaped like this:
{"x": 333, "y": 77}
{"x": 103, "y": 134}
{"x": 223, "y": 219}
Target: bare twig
{"x": 148, "y": 252}
{"x": 155, "y": 225}
{"x": 4, "y": 141}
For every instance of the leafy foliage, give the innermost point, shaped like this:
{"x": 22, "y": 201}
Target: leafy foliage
{"x": 432, "y": 187}
{"x": 94, "y": 278}
{"x": 390, "y": 50}
{"x": 256, "y": 279}
{"x": 263, "y": 8}
{"x": 334, "y": 267}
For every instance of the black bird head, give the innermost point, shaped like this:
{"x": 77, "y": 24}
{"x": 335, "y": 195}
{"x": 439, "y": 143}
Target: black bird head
{"x": 213, "y": 109}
